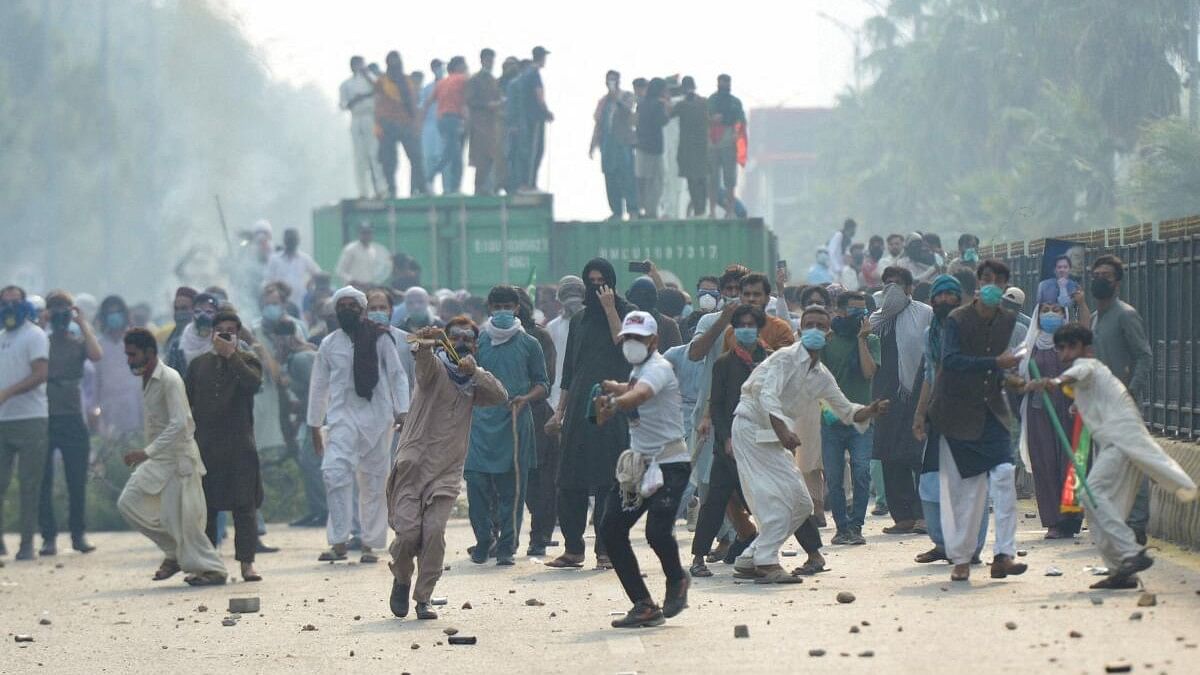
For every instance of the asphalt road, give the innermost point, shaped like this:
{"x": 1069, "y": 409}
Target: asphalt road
{"x": 105, "y": 615}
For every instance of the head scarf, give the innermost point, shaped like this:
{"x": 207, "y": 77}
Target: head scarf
{"x": 570, "y": 294}
{"x": 944, "y": 283}
{"x": 350, "y": 292}
{"x": 416, "y": 298}
{"x": 591, "y": 298}
{"x": 644, "y": 294}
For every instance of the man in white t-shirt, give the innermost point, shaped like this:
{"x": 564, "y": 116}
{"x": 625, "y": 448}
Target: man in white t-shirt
{"x": 652, "y": 402}
{"x": 24, "y": 365}
{"x": 292, "y": 266}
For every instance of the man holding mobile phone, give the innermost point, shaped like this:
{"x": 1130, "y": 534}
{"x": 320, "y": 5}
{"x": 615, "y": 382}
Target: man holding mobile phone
{"x": 221, "y": 386}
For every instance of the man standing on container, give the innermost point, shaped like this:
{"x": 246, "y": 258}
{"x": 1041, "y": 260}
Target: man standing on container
{"x": 613, "y": 135}
{"x": 725, "y": 113}
{"x": 483, "y": 101}
{"x": 537, "y": 115}
{"x": 357, "y": 95}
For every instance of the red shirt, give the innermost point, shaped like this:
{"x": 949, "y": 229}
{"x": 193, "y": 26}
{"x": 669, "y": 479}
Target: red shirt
{"x": 451, "y": 95}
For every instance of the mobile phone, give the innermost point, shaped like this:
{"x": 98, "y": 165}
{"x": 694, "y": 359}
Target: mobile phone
{"x": 781, "y": 265}
{"x": 642, "y": 267}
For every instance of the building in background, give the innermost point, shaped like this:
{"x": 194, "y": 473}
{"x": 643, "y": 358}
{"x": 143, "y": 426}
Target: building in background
{"x": 780, "y": 176}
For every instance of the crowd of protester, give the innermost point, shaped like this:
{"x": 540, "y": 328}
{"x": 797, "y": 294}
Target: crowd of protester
{"x": 744, "y": 405}
{"x": 652, "y": 140}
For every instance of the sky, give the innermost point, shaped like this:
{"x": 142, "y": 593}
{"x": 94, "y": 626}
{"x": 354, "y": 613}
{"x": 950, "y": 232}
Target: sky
{"x": 778, "y": 53}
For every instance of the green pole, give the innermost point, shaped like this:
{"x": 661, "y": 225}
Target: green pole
{"x": 1062, "y": 434}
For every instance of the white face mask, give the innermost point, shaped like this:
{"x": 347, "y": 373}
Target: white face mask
{"x": 635, "y": 352}
{"x": 707, "y": 303}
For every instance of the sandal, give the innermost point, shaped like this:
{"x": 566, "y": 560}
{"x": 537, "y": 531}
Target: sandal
{"x": 603, "y": 563}
{"x": 167, "y": 569}
{"x": 700, "y": 570}
{"x": 775, "y": 574}
{"x": 808, "y": 569}
{"x": 566, "y": 561}
{"x": 332, "y": 555}
{"x": 206, "y": 579}
{"x": 932, "y": 555}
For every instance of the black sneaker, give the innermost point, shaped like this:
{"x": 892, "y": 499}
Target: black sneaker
{"x": 399, "y": 600}
{"x": 424, "y": 612}
{"x": 855, "y": 537}
{"x": 505, "y": 560}
{"x": 676, "y": 598}
{"x": 49, "y": 548}
{"x": 879, "y": 510}
{"x": 841, "y": 538}
{"x": 25, "y": 552}
{"x": 535, "y": 550}
{"x": 644, "y": 614}
{"x": 479, "y": 559}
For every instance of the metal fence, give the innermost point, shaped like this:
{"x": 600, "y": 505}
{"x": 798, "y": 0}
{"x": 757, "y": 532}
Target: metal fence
{"x": 1161, "y": 282}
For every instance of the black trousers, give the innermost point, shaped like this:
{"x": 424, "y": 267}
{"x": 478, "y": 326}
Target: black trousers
{"x": 660, "y": 509}
{"x": 572, "y": 517}
{"x": 69, "y": 435}
{"x": 900, "y": 484}
{"x": 541, "y": 495}
{"x": 389, "y": 157}
{"x": 245, "y": 532}
{"x": 698, "y": 195}
{"x": 723, "y": 484}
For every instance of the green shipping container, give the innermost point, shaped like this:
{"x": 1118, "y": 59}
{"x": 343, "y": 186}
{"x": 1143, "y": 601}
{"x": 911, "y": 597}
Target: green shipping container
{"x": 460, "y": 242}
{"x": 688, "y": 249}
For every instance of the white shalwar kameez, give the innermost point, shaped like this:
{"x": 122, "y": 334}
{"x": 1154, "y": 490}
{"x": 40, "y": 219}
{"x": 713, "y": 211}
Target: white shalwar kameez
{"x": 164, "y": 498}
{"x": 358, "y": 435}
{"x": 1125, "y": 453}
{"x": 787, "y": 387}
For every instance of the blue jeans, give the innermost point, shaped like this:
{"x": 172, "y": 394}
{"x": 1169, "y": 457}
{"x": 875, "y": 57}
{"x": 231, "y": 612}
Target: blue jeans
{"x": 836, "y": 440}
{"x": 451, "y": 164}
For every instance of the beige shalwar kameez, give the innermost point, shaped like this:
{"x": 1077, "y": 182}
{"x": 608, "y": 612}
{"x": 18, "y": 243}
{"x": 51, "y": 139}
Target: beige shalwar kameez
{"x": 427, "y": 474}
{"x": 164, "y": 498}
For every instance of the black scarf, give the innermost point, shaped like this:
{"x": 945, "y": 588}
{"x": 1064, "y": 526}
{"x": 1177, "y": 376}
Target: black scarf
{"x": 366, "y": 356}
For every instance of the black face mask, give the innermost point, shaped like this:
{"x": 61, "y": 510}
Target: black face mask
{"x": 60, "y": 319}
{"x": 942, "y": 309}
{"x": 1102, "y": 288}
{"x": 349, "y": 320}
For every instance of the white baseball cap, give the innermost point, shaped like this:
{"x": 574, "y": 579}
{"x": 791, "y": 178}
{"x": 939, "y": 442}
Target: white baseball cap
{"x": 1015, "y": 295}
{"x": 639, "y": 323}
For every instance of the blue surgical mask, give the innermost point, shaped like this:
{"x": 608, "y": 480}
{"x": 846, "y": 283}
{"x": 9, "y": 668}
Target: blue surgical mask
{"x": 991, "y": 295}
{"x": 970, "y": 255}
{"x": 503, "y": 319}
{"x": 115, "y": 320}
{"x": 272, "y": 312}
{"x": 745, "y": 336}
{"x": 1050, "y": 322}
{"x": 813, "y": 339}
{"x": 381, "y": 318}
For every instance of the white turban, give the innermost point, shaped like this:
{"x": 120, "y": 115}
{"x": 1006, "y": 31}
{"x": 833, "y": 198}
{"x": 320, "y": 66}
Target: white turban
{"x": 416, "y": 298}
{"x": 350, "y": 292}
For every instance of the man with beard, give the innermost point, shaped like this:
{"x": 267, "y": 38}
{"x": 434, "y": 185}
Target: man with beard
{"x": 221, "y": 386}
{"x": 164, "y": 498}
{"x": 589, "y": 454}
{"x": 900, "y": 323}
{"x": 425, "y": 478}
{"x": 354, "y": 392}
{"x": 782, "y": 395}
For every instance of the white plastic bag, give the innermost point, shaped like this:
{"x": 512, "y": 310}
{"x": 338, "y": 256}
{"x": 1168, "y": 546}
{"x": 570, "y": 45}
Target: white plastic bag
{"x": 652, "y": 480}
